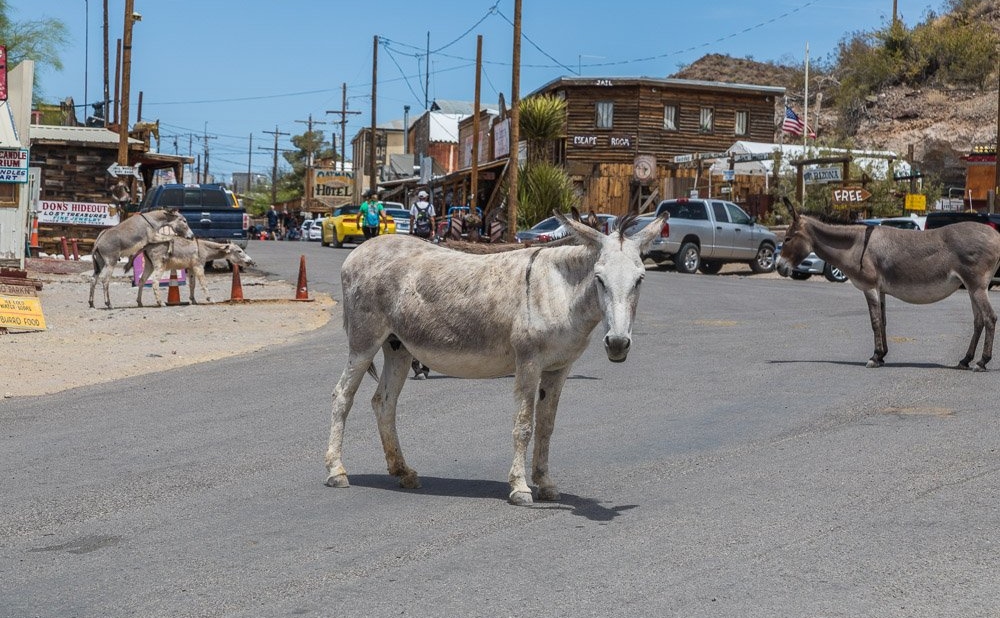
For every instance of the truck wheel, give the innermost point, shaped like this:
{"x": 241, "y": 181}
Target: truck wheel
{"x": 764, "y": 262}
{"x": 687, "y": 259}
{"x": 710, "y": 267}
{"x": 834, "y": 274}
{"x": 322, "y": 241}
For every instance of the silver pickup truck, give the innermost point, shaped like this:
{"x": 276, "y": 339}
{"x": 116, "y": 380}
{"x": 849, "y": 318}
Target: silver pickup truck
{"x": 704, "y": 234}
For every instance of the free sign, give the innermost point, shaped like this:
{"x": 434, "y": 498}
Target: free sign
{"x": 850, "y": 195}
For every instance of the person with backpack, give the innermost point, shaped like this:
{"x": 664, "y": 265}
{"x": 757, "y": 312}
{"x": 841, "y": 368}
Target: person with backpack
{"x": 369, "y": 216}
{"x": 422, "y": 216}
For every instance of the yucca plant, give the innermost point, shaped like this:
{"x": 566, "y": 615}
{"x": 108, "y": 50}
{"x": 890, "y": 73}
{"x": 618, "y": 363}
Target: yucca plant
{"x": 542, "y": 188}
{"x": 542, "y": 120}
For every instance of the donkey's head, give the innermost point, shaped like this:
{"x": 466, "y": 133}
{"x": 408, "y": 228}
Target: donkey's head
{"x": 618, "y": 273}
{"x": 236, "y": 255}
{"x": 797, "y": 244}
{"x": 176, "y": 221}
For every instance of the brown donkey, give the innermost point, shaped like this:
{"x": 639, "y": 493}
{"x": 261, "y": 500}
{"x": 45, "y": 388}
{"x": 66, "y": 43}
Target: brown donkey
{"x": 915, "y": 266}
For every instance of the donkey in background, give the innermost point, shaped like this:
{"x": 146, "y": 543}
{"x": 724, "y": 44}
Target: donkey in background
{"x": 527, "y": 312}
{"x": 129, "y": 238}
{"x": 192, "y": 255}
{"x": 915, "y": 266}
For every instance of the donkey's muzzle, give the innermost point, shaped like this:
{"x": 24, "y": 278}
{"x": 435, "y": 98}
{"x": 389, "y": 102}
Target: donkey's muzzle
{"x": 783, "y": 267}
{"x": 617, "y": 348}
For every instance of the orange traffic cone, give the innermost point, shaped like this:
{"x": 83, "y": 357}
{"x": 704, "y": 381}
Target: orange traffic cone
{"x": 302, "y": 289}
{"x": 174, "y": 290}
{"x": 33, "y": 241}
{"x": 236, "y": 294}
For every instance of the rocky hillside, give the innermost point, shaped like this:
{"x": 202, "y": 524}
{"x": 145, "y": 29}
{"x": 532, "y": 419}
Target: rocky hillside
{"x": 942, "y": 124}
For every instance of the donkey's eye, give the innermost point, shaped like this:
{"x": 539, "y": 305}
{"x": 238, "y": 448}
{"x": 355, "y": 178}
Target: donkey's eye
{"x": 600, "y": 282}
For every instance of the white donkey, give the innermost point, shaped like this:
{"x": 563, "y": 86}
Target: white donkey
{"x": 192, "y": 255}
{"x": 128, "y": 238}
{"x": 527, "y": 312}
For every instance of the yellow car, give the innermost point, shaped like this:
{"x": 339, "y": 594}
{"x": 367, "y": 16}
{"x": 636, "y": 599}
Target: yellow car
{"x": 342, "y": 226}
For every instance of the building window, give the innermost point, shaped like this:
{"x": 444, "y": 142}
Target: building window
{"x": 669, "y": 117}
{"x": 8, "y": 195}
{"x": 605, "y": 114}
{"x": 707, "y": 122}
{"x": 742, "y": 123}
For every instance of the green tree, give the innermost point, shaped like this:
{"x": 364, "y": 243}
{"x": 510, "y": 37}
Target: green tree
{"x": 543, "y": 119}
{"x": 309, "y": 142}
{"x": 39, "y": 40}
{"x": 542, "y": 188}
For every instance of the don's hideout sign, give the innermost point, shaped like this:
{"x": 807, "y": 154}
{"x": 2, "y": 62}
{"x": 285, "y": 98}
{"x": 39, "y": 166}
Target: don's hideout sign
{"x": 20, "y": 308}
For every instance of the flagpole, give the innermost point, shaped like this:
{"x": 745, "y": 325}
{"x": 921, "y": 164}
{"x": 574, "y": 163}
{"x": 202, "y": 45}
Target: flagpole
{"x": 805, "y": 104}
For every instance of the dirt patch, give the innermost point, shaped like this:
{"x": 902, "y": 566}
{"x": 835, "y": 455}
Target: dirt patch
{"x": 84, "y": 346}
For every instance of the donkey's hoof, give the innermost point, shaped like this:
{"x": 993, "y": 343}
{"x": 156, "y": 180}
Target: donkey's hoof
{"x": 337, "y": 480}
{"x": 872, "y": 363}
{"x": 980, "y": 367}
{"x": 409, "y": 480}
{"x": 548, "y": 493}
{"x": 521, "y": 498}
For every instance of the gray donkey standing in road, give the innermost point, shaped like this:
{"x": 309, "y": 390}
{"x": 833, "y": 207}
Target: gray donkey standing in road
{"x": 129, "y": 238}
{"x": 528, "y": 312}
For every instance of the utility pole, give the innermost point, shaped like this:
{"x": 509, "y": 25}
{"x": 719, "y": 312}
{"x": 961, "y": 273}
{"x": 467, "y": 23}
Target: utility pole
{"x": 308, "y": 189}
{"x": 474, "y": 189}
{"x": 343, "y": 126}
{"x": 249, "y": 165}
{"x": 274, "y": 169}
{"x": 372, "y": 182}
{"x": 204, "y": 175}
{"x": 515, "y": 128}
{"x": 107, "y": 96}
{"x": 130, "y": 18}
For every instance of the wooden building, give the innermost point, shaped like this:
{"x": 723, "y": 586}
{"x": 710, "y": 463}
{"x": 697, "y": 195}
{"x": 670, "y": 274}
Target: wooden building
{"x": 73, "y": 164}
{"x": 630, "y": 142}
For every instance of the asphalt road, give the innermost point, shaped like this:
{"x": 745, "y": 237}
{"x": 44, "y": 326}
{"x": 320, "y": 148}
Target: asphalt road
{"x": 742, "y": 462}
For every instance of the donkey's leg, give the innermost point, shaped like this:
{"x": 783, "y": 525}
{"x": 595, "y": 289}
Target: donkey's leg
{"x": 549, "y": 391}
{"x": 526, "y": 380}
{"x": 343, "y": 397}
{"x": 156, "y": 274}
{"x": 98, "y": 267}
{"x": 198, "y": 277}
{"x": 147, "y": 271}
{"x": 397, "y": 363}
{"x": 106, "y": 272}
{"x": 983, "y": 318}
{"x": 876, "y": 311}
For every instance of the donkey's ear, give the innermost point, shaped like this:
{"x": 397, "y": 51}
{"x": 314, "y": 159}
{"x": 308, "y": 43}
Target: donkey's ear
{"x": 576, "y": 213}
{"x": 646, "y": 235}
{"x": 580, "y": 230}
{"x": 791, "y": 208}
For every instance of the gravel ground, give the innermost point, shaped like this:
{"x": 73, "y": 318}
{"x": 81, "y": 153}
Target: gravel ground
{"x": 84, "y": 346}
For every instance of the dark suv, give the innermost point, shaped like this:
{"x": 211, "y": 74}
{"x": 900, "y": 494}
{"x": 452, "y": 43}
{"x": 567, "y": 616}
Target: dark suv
{"x": 211, "y": 210}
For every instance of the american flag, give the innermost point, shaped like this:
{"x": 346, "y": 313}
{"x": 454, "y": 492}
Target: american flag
{"x": 792, "y": 124}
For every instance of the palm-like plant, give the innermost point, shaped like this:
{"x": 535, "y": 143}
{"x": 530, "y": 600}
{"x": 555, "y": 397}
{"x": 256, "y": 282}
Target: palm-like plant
{"x": 542, "y": 188}
{"x": 543, "y": 119}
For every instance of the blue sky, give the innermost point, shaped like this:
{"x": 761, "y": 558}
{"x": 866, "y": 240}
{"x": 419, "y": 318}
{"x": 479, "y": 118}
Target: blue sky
{"x": 232, "y": 68}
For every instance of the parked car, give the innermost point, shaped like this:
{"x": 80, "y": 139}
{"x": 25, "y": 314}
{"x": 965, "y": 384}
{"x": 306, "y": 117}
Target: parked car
{"x": 704, "y": 234}
{"x": 906, "y": 223}
{"x": 401, "y": 216}
{"x": 342, "y": 227}
{"x": 311, "y": 229}
{"x": 814, "y": 265}
{"x": 211, "y": 210}
{"x": 551, "y": 228}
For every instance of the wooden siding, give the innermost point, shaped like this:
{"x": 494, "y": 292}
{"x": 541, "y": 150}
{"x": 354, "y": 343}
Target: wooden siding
{"x": 600, "y": 161}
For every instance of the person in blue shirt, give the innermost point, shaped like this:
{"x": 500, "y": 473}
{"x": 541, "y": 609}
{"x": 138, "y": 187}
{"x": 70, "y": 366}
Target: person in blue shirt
{"x": 370, "y": 215}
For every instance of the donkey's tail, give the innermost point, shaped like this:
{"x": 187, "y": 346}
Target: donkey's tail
{"x": 98, "y": 262}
